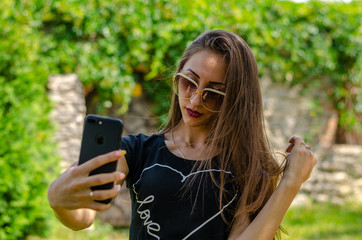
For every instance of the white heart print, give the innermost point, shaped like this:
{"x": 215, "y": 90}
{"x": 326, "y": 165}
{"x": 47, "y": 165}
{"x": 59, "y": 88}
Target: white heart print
{"x": 152, "y": 227}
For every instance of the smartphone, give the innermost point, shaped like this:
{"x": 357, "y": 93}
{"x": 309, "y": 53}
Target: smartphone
{"x": 100, "y": 135}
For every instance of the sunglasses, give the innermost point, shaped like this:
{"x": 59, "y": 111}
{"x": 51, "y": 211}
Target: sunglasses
{"x": 187, "y": 88}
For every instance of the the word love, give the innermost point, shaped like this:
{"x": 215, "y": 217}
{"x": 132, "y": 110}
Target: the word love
{"x": 152, "y": 227}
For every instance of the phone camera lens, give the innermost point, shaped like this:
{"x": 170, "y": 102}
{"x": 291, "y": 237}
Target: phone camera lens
{"x": 91, "y": 120}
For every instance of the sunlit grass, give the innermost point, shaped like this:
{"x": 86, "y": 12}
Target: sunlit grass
{"x": 96, "y": 232}
{"x": 324, "y": 221}
{"x": 312, "y": 222}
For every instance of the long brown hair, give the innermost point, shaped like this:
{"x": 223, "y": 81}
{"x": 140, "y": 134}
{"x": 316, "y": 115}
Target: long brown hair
{"x": 238, "y": 130}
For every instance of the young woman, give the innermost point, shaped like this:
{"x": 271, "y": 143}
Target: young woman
{"x": 210, "y": 174}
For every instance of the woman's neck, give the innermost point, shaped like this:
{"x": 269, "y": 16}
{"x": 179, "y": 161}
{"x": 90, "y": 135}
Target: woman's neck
{"x": 190, "y": 136}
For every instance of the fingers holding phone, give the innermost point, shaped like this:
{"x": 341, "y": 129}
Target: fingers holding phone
{"x": 72, "y": 190}
{"x": 101, "y": 160}
{"x": 88, "y": 184}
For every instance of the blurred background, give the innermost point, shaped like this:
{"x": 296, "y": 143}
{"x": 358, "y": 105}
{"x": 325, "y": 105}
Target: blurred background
{"x": 62, "y": 59}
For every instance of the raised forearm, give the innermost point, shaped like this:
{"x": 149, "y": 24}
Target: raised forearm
{"x": 267, "y": 222}
{"x": 301, "y": 162}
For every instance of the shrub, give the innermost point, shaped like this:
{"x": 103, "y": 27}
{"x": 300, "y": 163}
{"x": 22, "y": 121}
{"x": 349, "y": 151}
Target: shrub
{"x": 113, "y": 44}
{"x": 26, "y": 152}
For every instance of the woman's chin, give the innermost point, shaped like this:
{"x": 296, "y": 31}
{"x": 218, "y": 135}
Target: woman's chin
{"x": 203, "y": 121}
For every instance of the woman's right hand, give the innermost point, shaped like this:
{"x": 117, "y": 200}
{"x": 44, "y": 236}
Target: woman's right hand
{"x": 301, "y": 161}
{"x": 72, "y": 190}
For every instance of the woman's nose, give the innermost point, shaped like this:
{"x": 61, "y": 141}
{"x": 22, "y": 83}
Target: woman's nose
{"x": 196, "y": 99}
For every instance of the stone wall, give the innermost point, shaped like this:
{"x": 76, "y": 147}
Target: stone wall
{"x": 66, "y": 93}
{"x": 336, "y": 178}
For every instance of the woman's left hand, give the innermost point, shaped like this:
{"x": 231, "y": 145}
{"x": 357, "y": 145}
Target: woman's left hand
{"x": 300, "y": 163}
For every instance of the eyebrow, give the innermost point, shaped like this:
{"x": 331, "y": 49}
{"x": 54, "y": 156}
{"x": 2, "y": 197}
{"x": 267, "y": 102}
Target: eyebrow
{"x": 216, "y": 83}
{"x": 193, "y": 73}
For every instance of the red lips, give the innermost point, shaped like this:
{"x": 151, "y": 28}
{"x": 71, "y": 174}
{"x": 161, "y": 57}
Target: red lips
{"x": 193, "y": 113}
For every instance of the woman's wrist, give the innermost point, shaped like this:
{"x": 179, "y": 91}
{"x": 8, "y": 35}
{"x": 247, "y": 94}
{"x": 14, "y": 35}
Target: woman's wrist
{"x": 291, "y": 183}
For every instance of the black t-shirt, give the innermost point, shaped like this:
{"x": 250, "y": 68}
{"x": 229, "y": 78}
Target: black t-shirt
{"x": 164, "y": 206}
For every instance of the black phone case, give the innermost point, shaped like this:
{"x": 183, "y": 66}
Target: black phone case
{"x": 100, "y": 135}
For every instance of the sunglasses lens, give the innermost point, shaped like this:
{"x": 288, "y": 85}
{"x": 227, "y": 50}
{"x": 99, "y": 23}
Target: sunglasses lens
{"x": 184, "y": 87}
{"x": 212, "y": 101}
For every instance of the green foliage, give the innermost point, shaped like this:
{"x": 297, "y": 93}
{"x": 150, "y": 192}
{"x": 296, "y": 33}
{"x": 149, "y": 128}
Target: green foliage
{"x": 315, "y": 45}
{"x": 26, "y": 154}
{"x": 113, "y": 44}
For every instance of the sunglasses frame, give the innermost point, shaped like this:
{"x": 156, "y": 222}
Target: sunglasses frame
{"x": 197, "y": 90}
